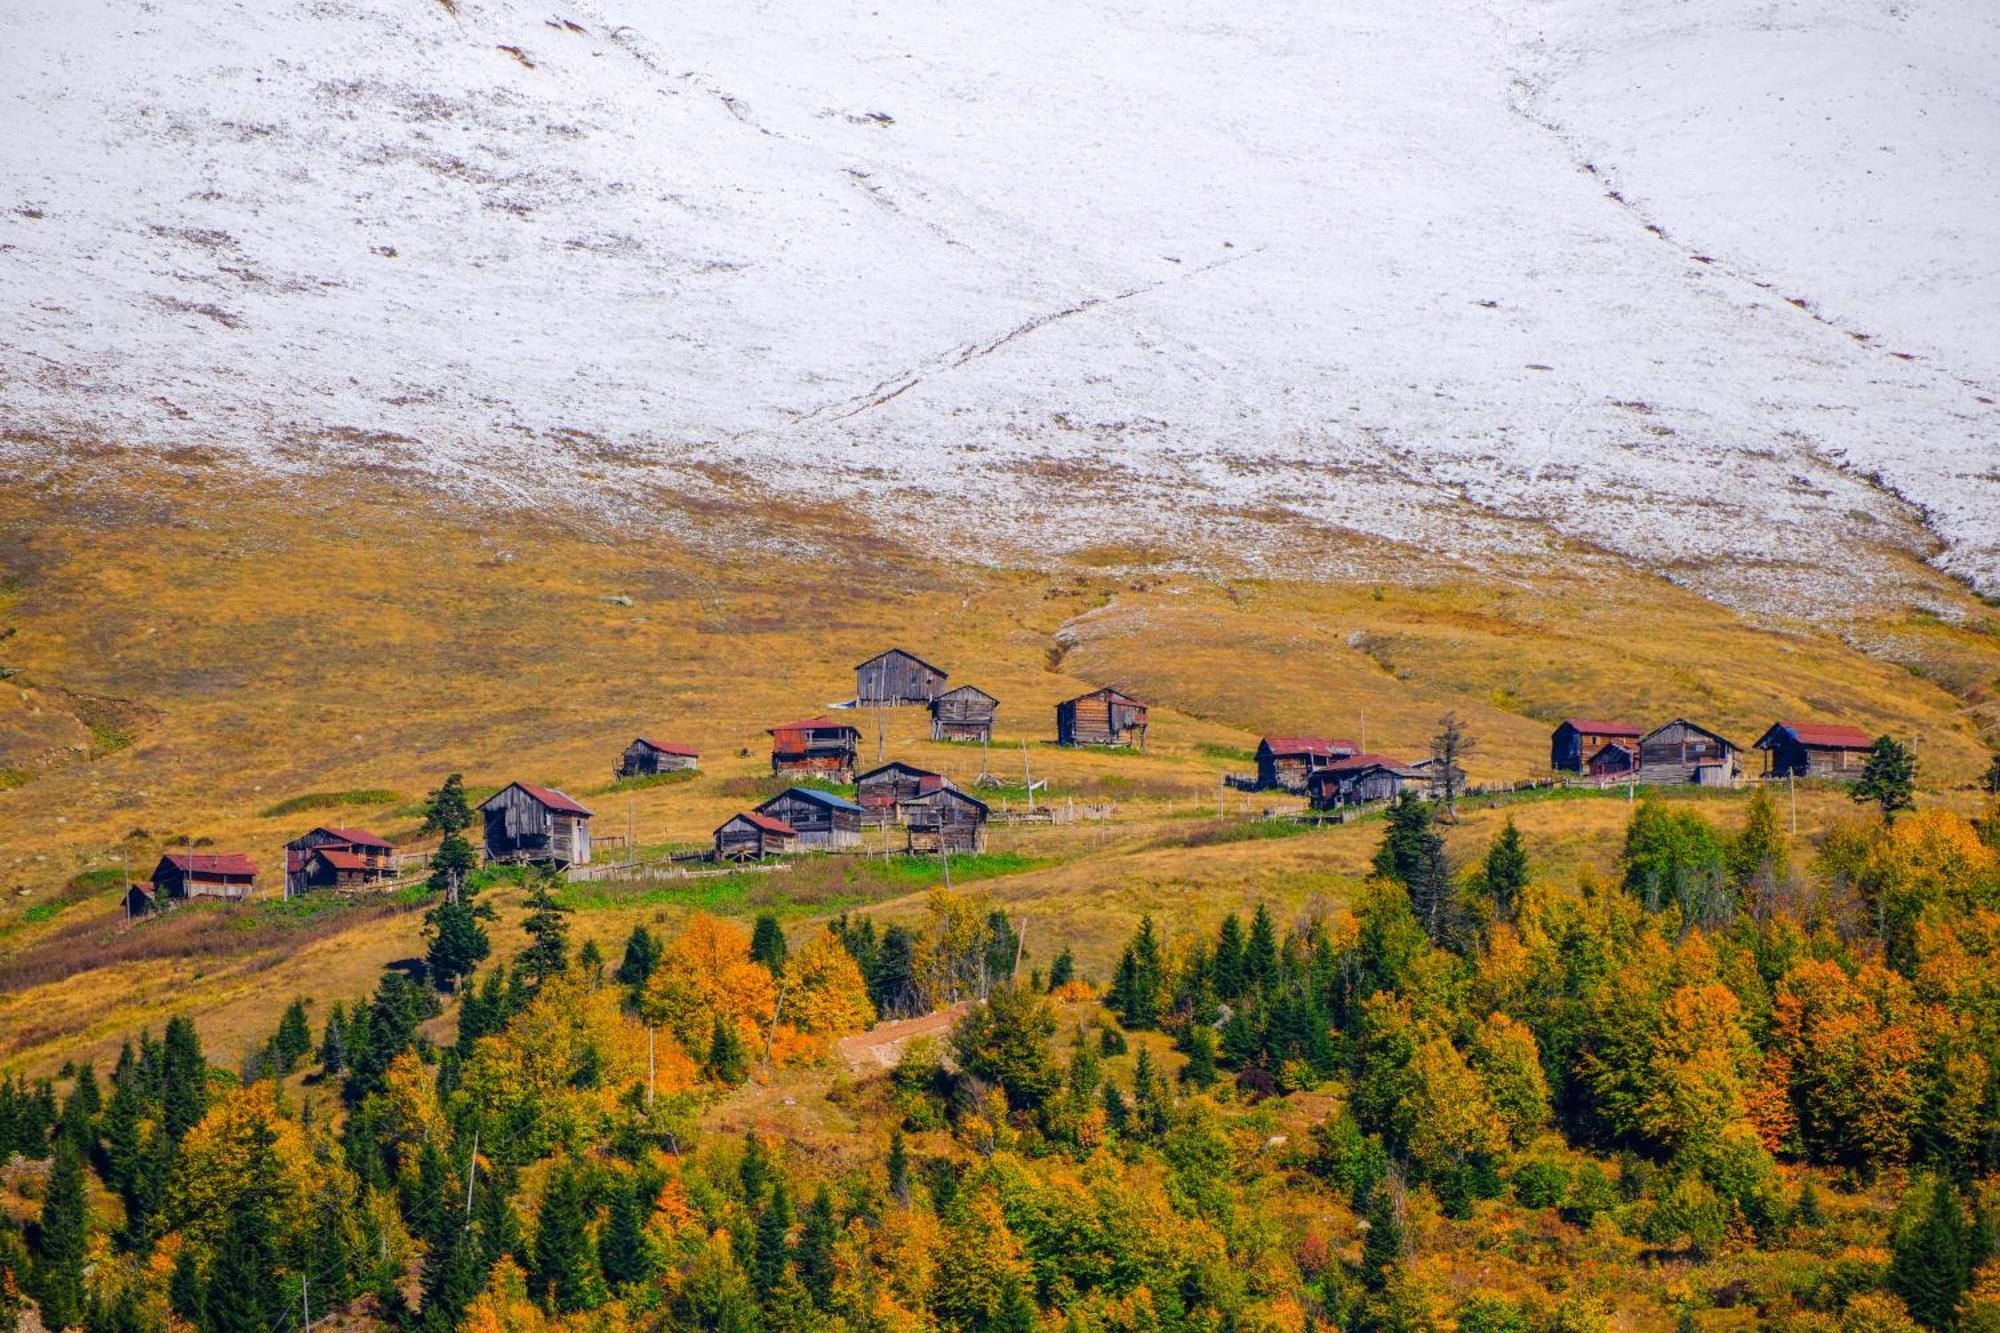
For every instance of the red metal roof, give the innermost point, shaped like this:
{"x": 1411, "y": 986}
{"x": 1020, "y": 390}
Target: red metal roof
{"x": 1594, "y": 728}
{"x": 765, "y": 822}
{"x": 1308, "y": 745}
{"x": 821, "y": 723}
{"x": 553, "y": 799}
{"x": 1354, "y": 761}
{"x": 668, "y": 747}
{"x": 1829, "y": 736}
{"x": 211, "y": 863}
{"x": 340, "y": 860}
{"x": 360, "y": 837}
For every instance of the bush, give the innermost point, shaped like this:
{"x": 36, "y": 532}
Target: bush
{"x": 1541, "y": 1182}
{"x": 1590, "y": 1192}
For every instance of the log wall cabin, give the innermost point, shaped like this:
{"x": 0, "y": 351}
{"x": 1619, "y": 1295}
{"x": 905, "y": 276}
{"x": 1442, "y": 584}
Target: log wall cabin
{"x": 889, "y": 679}
{"x": 945, "y": 820}
{"x": 819, "y": 818}
{"x": 1814, "y": 750}
{"x": 818, "y": 747}
{"x": 646, "y": 757}
{"x": 366, "y": 859}
{"x": 1287, "y": 763}
{"x": 965, "y": 713}
{"x": 1362, "y": 779}
{"x": 1574, "y": 742}
{"x": 880, "y": 790}
{"x": 525, "y": 824}
{"x": 751, "y": 837}
{"x": 1102, "y": 717}
{"x": 1613, "y": 760}
{"x": 185, "y": 876}
{"x": 1681, "y": 750}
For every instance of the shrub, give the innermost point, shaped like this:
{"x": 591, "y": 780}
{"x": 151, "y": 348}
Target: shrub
{"x": 1541, "y": 1182}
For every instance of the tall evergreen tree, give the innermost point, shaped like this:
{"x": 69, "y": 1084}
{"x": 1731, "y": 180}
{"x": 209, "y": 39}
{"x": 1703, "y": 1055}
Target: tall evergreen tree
{"x": 1135, "y": 992}
{"x": 621, "y": 1250}
{"x": 754, "y": 1172}
{"x": 457, "y": 942}
{"x": 892, "y": 979}
{"x": 333, "y": 1045}
{"x": 1227, "y": 966}
{"x": 1260, "y": 953}
{"x": 1382, "y": 1246}
{"x": 451, "y": 1278}
{"x": 547, "y": 926}
{"x": 1888, "y": 778}
{"x": 1402, "y": 851}
{"x": 1506, "y": 870}
{"x": 815, "y": 1249}
{"x": 63, "y": 1240}
{"x": 899, "y": 1167}
{"x": 242, "y": 1294}
{"x": 565, "y": 1267}
{"x": 728, "y": 1062}
{"x": 1063, "y": 970}
{"x": 448, "y": 814}
{"x": 184, "y": 1078}
{"x": 642, "y": 955}
{"x": 774, "y": 1225}
{"x": 1929, "y": 1265}
{"x": 767, "y": 943}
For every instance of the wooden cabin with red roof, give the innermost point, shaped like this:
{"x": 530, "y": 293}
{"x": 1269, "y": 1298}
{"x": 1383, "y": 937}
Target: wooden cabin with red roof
{"x": 815, "y": 747}
{"x": 646, "y": 757}
{"x": 530, "y": 825}
{"x": 331, "y": 857}
{"x": 1287, "y": 763}
{"x": 751, "y": 836}
{"x": 1614, "y": 761}
{"x": 1814, "y": 750}
{"x": 186, "y": 876}
{"x": 1102, "y": 717}
{"x": 1578, "y": 739}
{"x": 880, "y": 790}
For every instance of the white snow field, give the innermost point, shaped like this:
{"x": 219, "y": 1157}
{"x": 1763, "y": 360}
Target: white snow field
{"x": 1713, "y": 285}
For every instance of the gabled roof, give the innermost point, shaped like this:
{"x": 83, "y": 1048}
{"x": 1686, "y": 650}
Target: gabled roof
{"x": 1306, "y": 745}
{"x": 1117, "y": 694}
{"x": 936, "y": 794}
{"x": 765, "y": 822}
{"x": 1599, "y": 728}
{"x": 340, "y": 860}
{"x": 668, "y": 747}
{"x": 820, "y": 723}
{"x": 547, "y": 796}
{"x": 1818, "y": 736}
{"x": 814, "y": 795}
{"x": 901, "y": 652}
{"x": 1693, "y": 726}
{"x": 210, "y": 863}
{"x": 967, "y": 689}
{"x": 895, "y": 765}
{"x": 1626, "y": 748}
{"x": 360, "y": 837}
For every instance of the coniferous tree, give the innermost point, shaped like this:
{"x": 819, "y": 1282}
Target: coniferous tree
{"x": 1017, "y": 1312}
{"x": 451, "y": 1278}
{"x": 1260, "y": 952}
{"x": 774, "y": 1226}
{"x": 242, "y": 1293}
{"x": 184, "y": 1078}
{"x": 547, "y": 926}
{"x": 122, "y": 1135}
{"x": 1117, "y": 1114}
{"x": 892, "y": 983}
{"x": 448, "y": 814}
{"x": 899, "y": 1167}
{"x": 1930, "y": 1266}
{"x": 1402, "y": 851}
{"x": 642, "y": 955}
{"x": 1888, "y": 778}
{"x": 1450, "y": 745}
{"x": 728, "y": 1062}
{"x": 590, "y": 961}
{"x": 333, "y": 1045}
{"x": 294, "y": 1037}
{"x": 815, "y": 1249}
{"x": 186, "y": 1292}
{"x": 1506, "y": 870}
{"x": 494, "y": 1219}
{"x": 1382, "y": 1245}
{"x": 621, "y": 1251}
{"x": 565, "y": 1267}
{"x": 767, "y": 944}
{"x": 1199, "y": 1071}
{"x": 1003, "y": 948}
{"x": 457, "y": 942}
{"x": 64, "y": 1239}
{"x": 753, "y": 1173}
{"x": 1063, "y": 970}
{"x": 1136, "y": 992}
{"x": 1227, "y": 966}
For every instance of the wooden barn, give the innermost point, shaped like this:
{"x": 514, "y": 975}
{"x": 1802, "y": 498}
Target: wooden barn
{"x": 1683, "y": 751}
{"x": 185, "y": 876}
{"x": 1360, "y": 779}
{"x": 1285, "y": 763}
{"x": 1614, "y": 761}
{"x": 1577, "y": 739}
{"x": 818, "y": 746}
{"x": 531, "y": 825}
{"x": 896, "y": 677}
{"x": 751, "y": 837}
{"x": 355, "y": 857}
{"x": 880, "y": 790}
{"x": 645, "y": 757}
{"x": 945, "y": 820}
{"x": 139, "y": 901}
{"x": 963, "y": 714}
{"x": 819, "y": 818}
{"x": 1102, "y": 717}
{"x": 1814, "y": 750}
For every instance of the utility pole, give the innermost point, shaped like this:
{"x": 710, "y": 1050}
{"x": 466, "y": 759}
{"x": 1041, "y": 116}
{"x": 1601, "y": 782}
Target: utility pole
{"x": 471, "y": 1174}
{"x": 649, "y": 1069}
{"x": 1792, "y": 790}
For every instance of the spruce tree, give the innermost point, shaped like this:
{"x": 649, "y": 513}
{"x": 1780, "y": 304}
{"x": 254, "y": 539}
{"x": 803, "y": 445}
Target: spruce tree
{"x": 1888, "y": 778}
{"x": 186, "y": 1292}
{"x": 642, "y": 955}
{"x": 1928, "y": 1264}
{"x": 333, "y": 1046}
{"x": 242, "y": 1293}
{"x": 899, "y": 1167}
{"x": 1227, "y": 966}
{"x": 1382, "y": 1246}
{"x": 565, "y": 1268}
{"x": 1506, "y": 870}
{"x": 815, "y": 1249}
{"x": 547, "y": 953}
{"x": 294, "y": 1037}
{"x": 1260, "y": 954}
{"x": 753, "y": 1173}
{"x": 493, "y": 1217}
{"x": 774, "y": 1225}
{"x": 767, "y": 944}
{"x": 1199, "y": 1071}
{"x": 184, "y": 1078}
{"x": 727, "y": 1061}
{"x": 1063, "y": 970}
{"x": 452, "y": 1278}
{"x": 457, "y": 943}
{"x": 621, "y": 1250}
{"x": 63, "y": 1240}
{"x": 590, "y": 962}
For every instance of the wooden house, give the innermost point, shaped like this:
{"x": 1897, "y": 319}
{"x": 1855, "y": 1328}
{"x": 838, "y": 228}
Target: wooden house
{"x": 751, "y": 837}
{"x": 1681, "y": 750}
{"x": 531, "y": 825}
{"x": 1614, "y": 761}
{"x": 139, "y": 901}
{"x": 1577, "y": 739}
{"x": 896, "y": 677}
{"x": 185, "y": 876}
{"x": 1362, "y": 778}
{"x": 819, "y": 818}
{"x": 1102, "y": 717}
{"x": 645, "y": 757}
{"x": 1814, "y": 750}
{"x": 880, "y": 790}
{"x": 356, "y": 857}
{"x": 1433, "y": 776}
{"x": 1284, "y": 763}
{"x": 945, "y": 819}
{"x": 818, "y": 746}
{"x": 963, "y": 714}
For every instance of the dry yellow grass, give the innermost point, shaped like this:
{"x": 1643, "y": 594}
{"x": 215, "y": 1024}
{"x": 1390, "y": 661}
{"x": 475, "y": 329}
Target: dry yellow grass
{"x": 191, "y": 653}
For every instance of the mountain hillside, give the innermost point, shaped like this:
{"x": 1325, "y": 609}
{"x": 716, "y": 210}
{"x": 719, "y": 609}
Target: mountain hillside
{"x": 1713, "y": 288}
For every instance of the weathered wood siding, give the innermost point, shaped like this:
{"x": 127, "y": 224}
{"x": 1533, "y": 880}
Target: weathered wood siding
{"x": 1103, "y": 717}
{"x": 817, "y": 823}
{"x": 896, "y": 677}
{"x": 520, "y": 828}
{"x": 1790, "y": 758}
{"x": 963, "y": 714}
{"x": 945, "y": 821}
{"x": 742, "y": 839}
{"x": 1674, "y": 752}
{"x": 642, "y": 760}
{"x": 879, "y": 791}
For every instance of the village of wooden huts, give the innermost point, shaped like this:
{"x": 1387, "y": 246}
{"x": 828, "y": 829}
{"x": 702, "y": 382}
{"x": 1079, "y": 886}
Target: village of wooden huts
{"x": 817, "y": 818}
{"x": 337, "y": 858}
{"x": 1287, "y": 763}
{"x": 646, "y": 757}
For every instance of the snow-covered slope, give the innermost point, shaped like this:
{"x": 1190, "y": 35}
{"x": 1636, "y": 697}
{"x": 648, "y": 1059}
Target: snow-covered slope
{"x": 1048, "y": 273}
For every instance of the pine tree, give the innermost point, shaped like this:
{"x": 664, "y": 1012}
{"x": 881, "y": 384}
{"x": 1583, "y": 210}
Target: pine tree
{"x": 1382, "y": 1246}
{"x": 448, "y": 814}
{"x": 1136, "y": 992}
{"x": 457, "y": 943}
{"x": 333, "y": 1046}
{"x": 1063, "y": 970}
{"x": 1928, "y": 1265}
{"x": 1199, "y": 1071}
{"x": 1506, "y": 870}
{"x": 590, "y": 961}
{"x": 547, "y": 953}
{"x": 1117, "y": 1115}
{"x": 774, "y": 1225}
{"x": 1017, "y": 1312}
{"x": 452, "y": 1278}
{"x": 64, "y": 1240}
{"x": 728, "y": 1062}
{"x": 753, "y": 1173}
{"x": 565, "y": 1268}
{"x": 642, "y": 955}
{"x": 1227, "y": 966}
{"x": 1889, "y": 778}
{"x": 767, "y": 944}
{"x": 1402, "y": 851}
{"x": 184, "y": 1078}
{"x": 892, "y": 984}
{"x": 493, "y": 1217}
{"x": 899, "y": 1167}
{"x": 1431, "y": 891}
{"x": 186, "y": 1292}
{"x": 122, "y": 1133}
{"x": 621, "y": 1250}
{"x": 294, "y": 1038}
{"x": 242, "y": 1291}
{"x": 1450, "y": 745}
{"x": 1260, "y": 953}
{"x": 815, "y": 1249}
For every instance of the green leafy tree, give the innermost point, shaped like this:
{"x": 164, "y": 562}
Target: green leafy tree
{"x": 1888, "y": 778}
{"x": 1759, "y": 854}
{"x": 64, "y": 1240}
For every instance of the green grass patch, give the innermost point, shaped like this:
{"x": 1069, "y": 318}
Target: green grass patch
{"x": 642, "y": 782}
{"x": 330, "y": 800}
{"x": 11, "y": 778}
{"x": 814, "y": 885}
{"x": 42, "y": 912}
{"x": 1234, "y": 754}
{"x": 915, "y": 871}
{"x": 96, "y": 881}
{"x": 107, "y": 739}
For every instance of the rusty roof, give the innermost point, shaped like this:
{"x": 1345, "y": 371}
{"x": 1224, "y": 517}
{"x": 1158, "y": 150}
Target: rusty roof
{"x": 766, "y": 822}
{"x": 340, "y": 860}
{"x": 1821, "y": 736}
{"x": 668, "y": 747}
{"x": 547, "y": 796}
{"x": 1309, "y": 745}
{"x": 211, "y": 863}
{"x": 360, "y": 837}
{"x": 820, "y": 723}
{"x": 1597, "y": 728}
